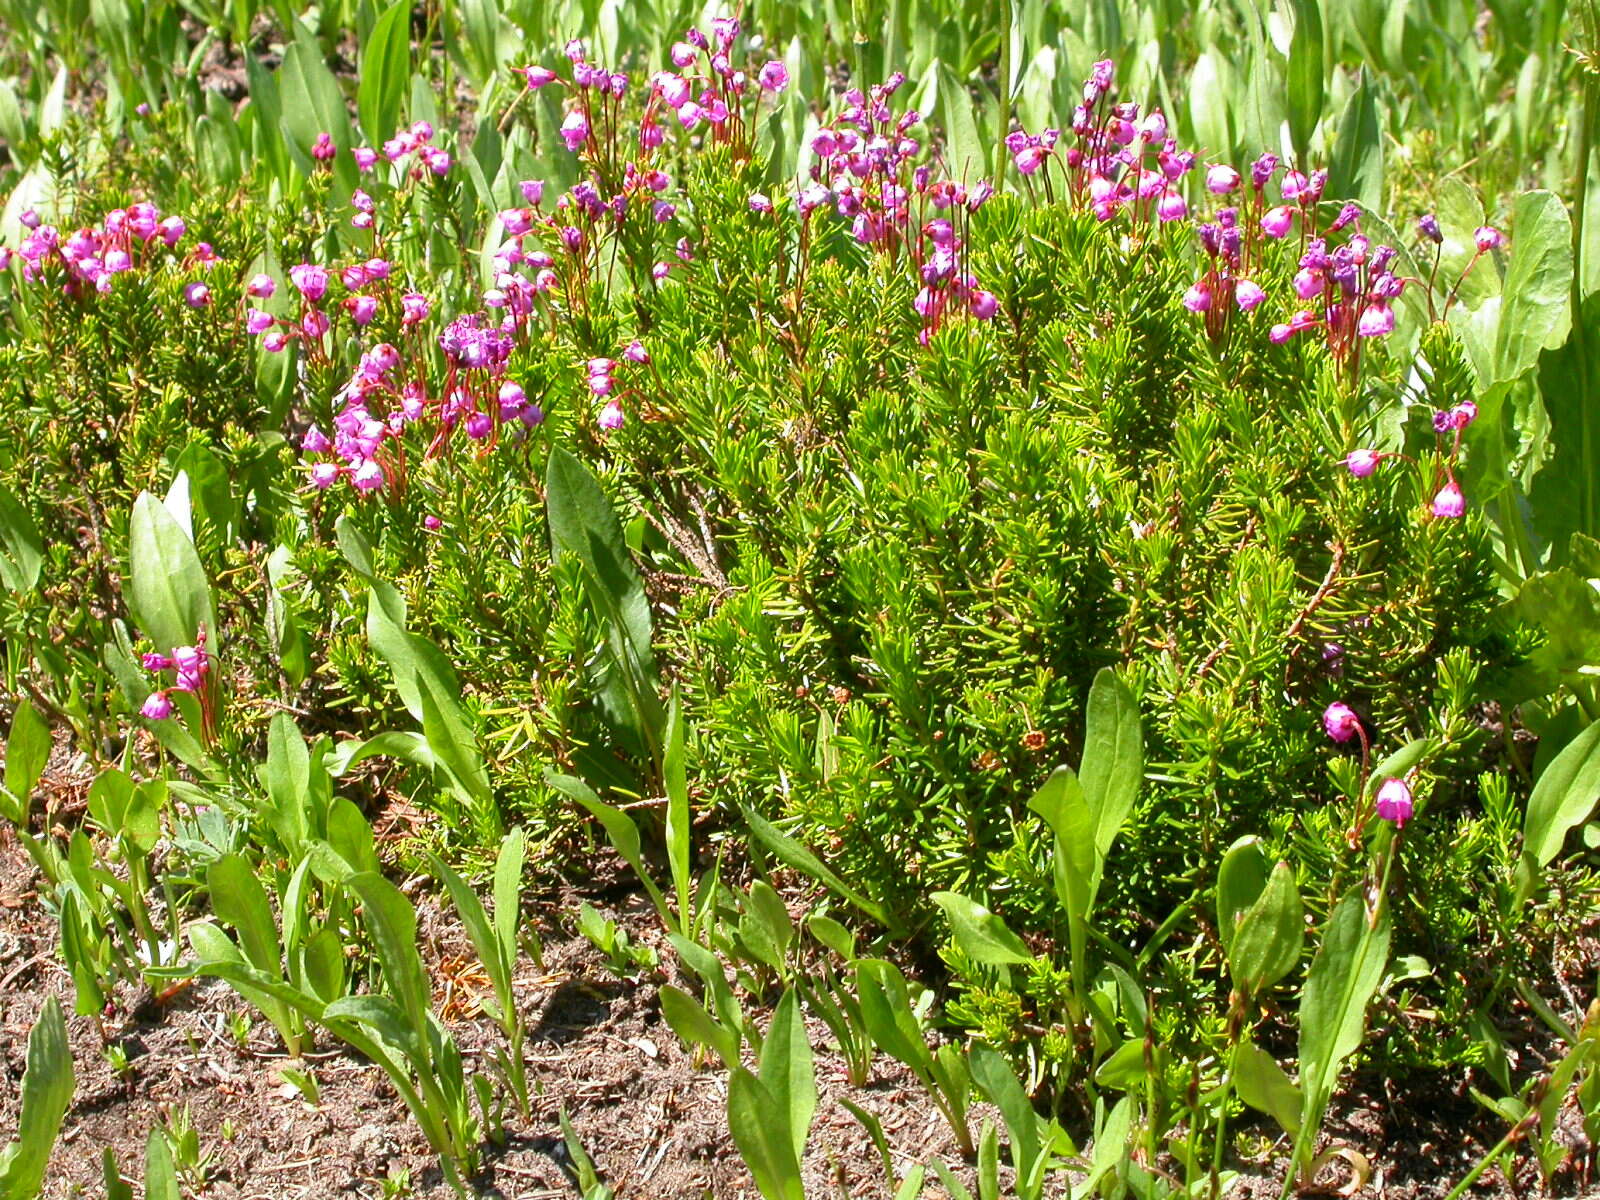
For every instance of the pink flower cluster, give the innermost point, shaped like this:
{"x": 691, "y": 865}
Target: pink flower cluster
{"x": 602, "y": 373}
{"x": 190, "y": 663}
{"x": 415, "y": 144}
{"x": 867, "y": 168}
{"x": 359, "y": 431}
{"x": 945, "y": 285}
{"x": 90, "y": 259}
{"x": 712, "y": 91}
{"x": 577, "y": 223}
{"x": 365, "y": 286}
{"x": 1449, "y": 424}
{"x": 1394, "y": 801}
{"x": 1116, "y": 160}
{"x": 706, "y": 89}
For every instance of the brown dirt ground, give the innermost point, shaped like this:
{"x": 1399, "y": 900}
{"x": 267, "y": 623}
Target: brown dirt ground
{"x": 645, "y": 1112}
{"x": 652, "y": 1121}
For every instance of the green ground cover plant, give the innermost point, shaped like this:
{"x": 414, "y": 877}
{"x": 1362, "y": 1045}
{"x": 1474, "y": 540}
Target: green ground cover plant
{"x": 1058, "y": 541}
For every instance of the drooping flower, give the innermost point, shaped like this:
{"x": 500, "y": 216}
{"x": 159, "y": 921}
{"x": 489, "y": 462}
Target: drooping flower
{"x": 196, "y": 295}
{"x": 774, "y": 76}
{"x": 1449, "y": 502}
{"x": 1394, "y": 802}
{"x": 312, "y": 281}
{"x": 575, "y": 130}
{"x": 261, "y": 286}
{"x": 1377, "y": 320}
{"x": 1487, "y": 238}
{"x": 611, "y": 417}
{"x": 1341, "y": 722}
{"x": 413, "y": 308}
{"x": 1362, "y": 462}
{"x": 1247, "y": 294}
{"x": 1221, "y": 179}
{"x": 157, "y": 706}
{"x": 1428, "y": 227}
{"x": 1277, "y": 222}
{"x": 1171, "y": 206}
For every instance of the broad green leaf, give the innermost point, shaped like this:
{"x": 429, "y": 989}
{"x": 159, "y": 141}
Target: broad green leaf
{"x": 210, "y": 489}
{"x": 1061, "y": 802}
{"x": 762, "y": 1142}
{"x": 412, "y": 658}
{"x": 886, "y": 1009}
{"x": 1212, "y": 87}
{"x": 982, "y": 935}
{"x": 584, "y": 526}
{"x": 619, "y": 827}
{"x": 116, "y": 1187}
{"x": 1266, "y": 944}
{"x": 697, "y": 1027}
{"x": 1240, "y": 880}
{"x": 786, "y": 1072}
{"x": 27, "y": 753}
{"x": 47, "y": 1086}
{"x": 965, "y": 152}
{"x": 323, "y": 965}
{"x": 1399, "y": 764}
{"x": 1536, "y": 294}
{"x": 21, "y": 544}
{"x": 1113, "y": 757}
{"x": 1262, "y": 1085}
{"x": 1563, "y": 796}
{"x": 767, "y": 909}
{"x": 1333, "y": 1005}
{"x": 794, "y": 854}
{"x": 160, "y": 1172}
{"x": 356, "y": 548}
{"x": 78, "y": 947}
{"x": 708, "y": 966}
{"x": 1124, "y": 1068}
{"x": 456, "y": 747}
{"x": 508, "y": 866}
{"x": 167, "y": 589}
{"x": 1305, "y": 78}
{"x": 393, "y": 924}
{"x": 350, "y": 835}
{"x": 833, "y": 935}
{"x": 679, "y": 819}
{"x": 989, "y": 1162}
{"x": 999, "y": 1082}
{"x": 484, "y": 940}
{"x": 288, "y": 777}
{"x": 1355, "y": 168}
{"x": 313, "y": 104}
{"x": 385, "y": 73}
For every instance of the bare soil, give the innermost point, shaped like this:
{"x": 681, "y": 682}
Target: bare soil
{"x": 650, "y": 1117}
